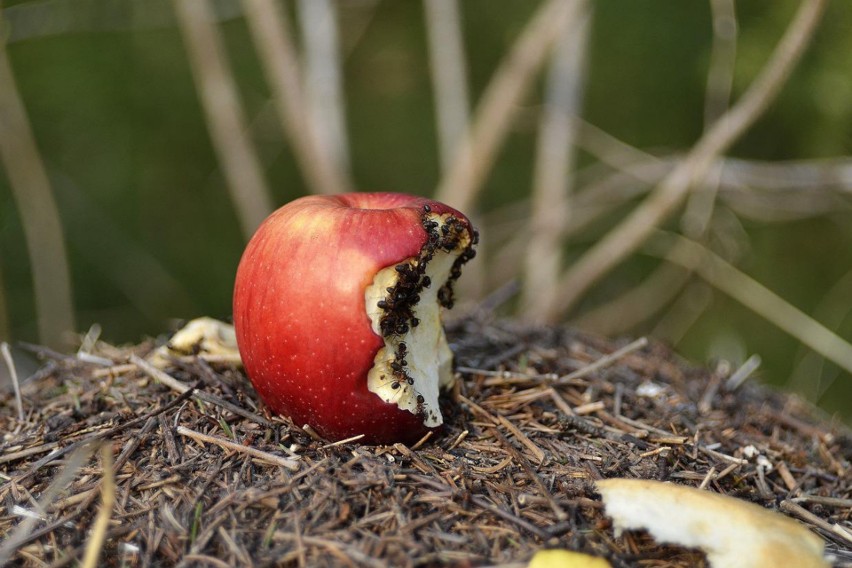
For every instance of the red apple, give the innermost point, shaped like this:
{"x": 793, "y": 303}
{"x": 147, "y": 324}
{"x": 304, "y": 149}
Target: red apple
{"x": 337, "y": 310}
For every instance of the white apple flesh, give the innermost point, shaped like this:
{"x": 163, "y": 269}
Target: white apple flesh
{"x": 414, "y": 386}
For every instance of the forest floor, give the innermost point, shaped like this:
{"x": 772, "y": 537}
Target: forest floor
{"x": 203, "y": 475}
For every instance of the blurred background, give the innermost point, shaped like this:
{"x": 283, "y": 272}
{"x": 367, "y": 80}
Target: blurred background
{"x": 141, "y": 141}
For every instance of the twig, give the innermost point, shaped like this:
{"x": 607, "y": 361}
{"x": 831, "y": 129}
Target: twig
{"x": 290, "y": 464}
{"x": 342, "y": 442}
{"x": 753, "y": 295}
{"x": 493, "y": 116}
{"x": 40, "y": 449}
{"x": 177, "y": 386}
{"x": 658, "y": 289}
{"x": 720, "y": 78}
{"x": 223, "y": 111}
{"x": 560, "y": 513}
{"x": 270, "y": 31}
{"x": 739, "y": 376}
{"x": 632, "y": 307}
{"x": 449, "y": 75}
{"x": 323, "y": 81}
{"x": 13, "y": 373}
{"x": 766, "y": 191}
{"x": 552, "y": 175}
{"x": 99, "y": 529}
{"x": 482, "y": 503}
{"x": 37, "y": 207}
{"x": 705, "y": 404}
{"x": 60, "y": 483}
{"x": 5, "y": 329}
{"x": 826, "y": 501}
{"x": 636, "y": 228}
{"x": 721, "y": 456}
{"x": 514, "y": 377}
{"x": 55, "y": 455}
{"x": 603, "y": 361}
{"x": 837, "y": 531}
{"x": 522, "y": 438}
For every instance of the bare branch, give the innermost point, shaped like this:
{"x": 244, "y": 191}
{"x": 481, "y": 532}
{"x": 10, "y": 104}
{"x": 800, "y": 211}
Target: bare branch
{"x": 223, "y": 112}
{"x": 32, "y": 193}
{"x": 5, "y": 329}
{"x": 630, "y": 234}
{"x": 666, "y": 282}
{"x": 720, "y": 80}
{"x": 323, "y": 80}
{"x": 552, "y": 177}
{"x": 494, "y": 112}
{"x": 13, "y": 375}
{"x": 449, "y": 75}
{"x": 753, "y": 295}
{"x": 288, "y": 463}
{"x": 636, "y": 305}
{"x": 809, "y": 376}
{"x": 270, "y": 31}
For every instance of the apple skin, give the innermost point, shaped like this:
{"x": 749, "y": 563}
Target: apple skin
{"x": 299, "y": 309}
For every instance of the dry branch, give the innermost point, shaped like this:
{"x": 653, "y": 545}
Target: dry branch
{"x": 324, "y": 78}
{"x": 13, "y": 374}
{"x": 449, "y": 75}
{"x": 288, "y": 463}
{"x": 494, "y": 113}
{"x": 630, "y": 234}
{"x": 270, "y": 30}
{"x": 553, "y": 178}
{"x": 727, "y": 278}
{"x": 37, "y": 207}
{"x": 224, "y": 114}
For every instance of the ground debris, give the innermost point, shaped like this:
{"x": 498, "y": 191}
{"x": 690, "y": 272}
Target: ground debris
{"x": 527, "y": 433}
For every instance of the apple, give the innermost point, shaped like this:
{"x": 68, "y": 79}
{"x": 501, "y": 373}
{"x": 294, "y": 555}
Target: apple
{"x": 337, "y": 311}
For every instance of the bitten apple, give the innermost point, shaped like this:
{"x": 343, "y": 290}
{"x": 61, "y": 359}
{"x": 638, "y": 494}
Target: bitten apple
{"x": 337, "y": 310}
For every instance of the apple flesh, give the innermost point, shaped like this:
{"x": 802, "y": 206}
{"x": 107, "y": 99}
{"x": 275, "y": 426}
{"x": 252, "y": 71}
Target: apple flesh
{"x": 337, "y": 311}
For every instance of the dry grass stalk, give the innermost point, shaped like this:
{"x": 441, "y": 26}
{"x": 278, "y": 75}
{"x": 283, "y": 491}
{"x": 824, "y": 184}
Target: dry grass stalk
{"x": 720, "y": 79}
{"x": 38, "y": 210}
{"x": 13, "y": 374}
{"x": 224, "y": 114}
{"x": 553, "y": 178}
{"x": 494, "y": 113}
{"x": 641, "y": 222}
{"x": 447, "y": 63}
{"x": 324, "y": 77}
{"x": 754, "y": 296}
{"x": 4, "y": 310}
{"x": 290, "y": 464}
{"x": 270, "y": 31}
{"x": 511, "y": 473}
{"x": 96, "y": 540}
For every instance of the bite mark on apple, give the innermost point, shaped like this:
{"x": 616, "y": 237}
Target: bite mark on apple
{"x": 404, "y": 304}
